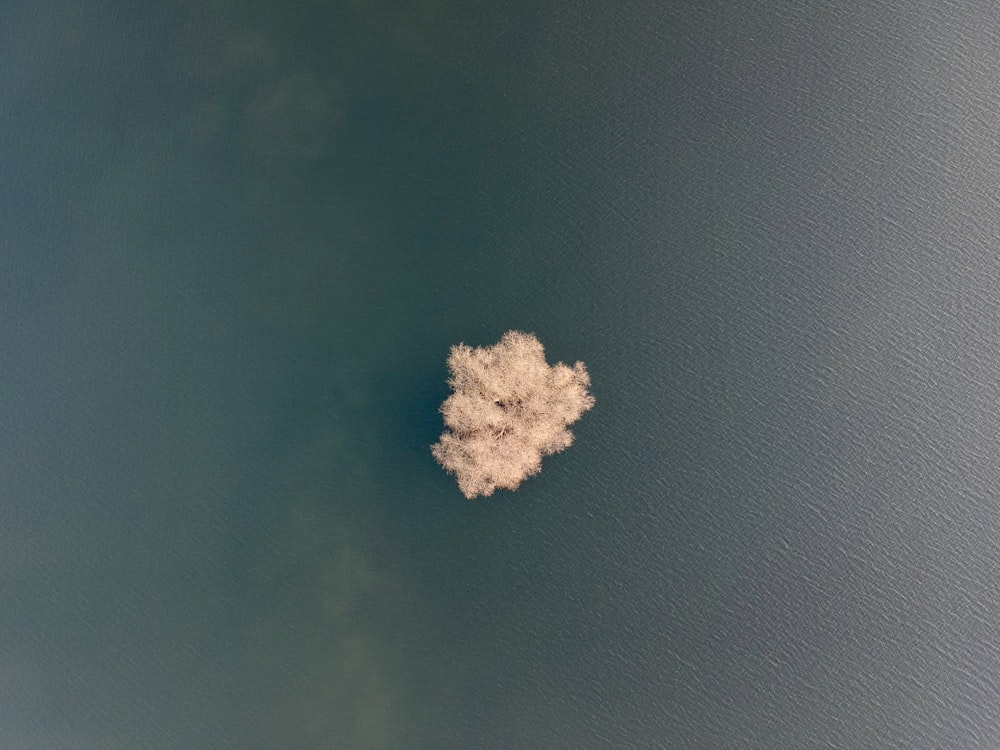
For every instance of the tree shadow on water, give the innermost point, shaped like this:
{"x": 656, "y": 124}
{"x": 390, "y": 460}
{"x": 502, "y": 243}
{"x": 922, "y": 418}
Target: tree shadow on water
{"x": 408, "y": 421}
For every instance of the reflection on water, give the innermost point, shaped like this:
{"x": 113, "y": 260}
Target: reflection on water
{"x": 313, "y": 643}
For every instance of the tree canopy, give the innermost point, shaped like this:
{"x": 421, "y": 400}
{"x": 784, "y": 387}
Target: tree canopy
{"x": 508, "y": 409}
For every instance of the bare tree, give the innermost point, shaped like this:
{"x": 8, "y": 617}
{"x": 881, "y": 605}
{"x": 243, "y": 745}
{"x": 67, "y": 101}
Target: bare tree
{"x": 509, "y": 408}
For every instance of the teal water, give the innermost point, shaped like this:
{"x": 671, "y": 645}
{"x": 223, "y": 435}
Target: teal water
{"x": 236, "y": 243}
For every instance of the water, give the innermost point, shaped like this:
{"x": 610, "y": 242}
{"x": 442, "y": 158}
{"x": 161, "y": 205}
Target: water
{"x": 237, "y": 243}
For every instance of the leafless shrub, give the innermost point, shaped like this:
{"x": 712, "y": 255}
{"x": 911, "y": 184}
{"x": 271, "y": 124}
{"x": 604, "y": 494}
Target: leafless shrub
{"x": 509, "y": 408}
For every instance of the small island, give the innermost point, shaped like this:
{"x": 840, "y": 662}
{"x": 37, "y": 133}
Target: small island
{"x": 508, "y": 409}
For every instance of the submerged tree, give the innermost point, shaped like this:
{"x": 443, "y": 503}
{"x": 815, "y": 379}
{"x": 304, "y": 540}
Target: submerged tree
{"x": 509, "y": 408}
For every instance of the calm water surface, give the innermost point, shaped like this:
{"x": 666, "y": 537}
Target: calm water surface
{"x": 236, "y": 242}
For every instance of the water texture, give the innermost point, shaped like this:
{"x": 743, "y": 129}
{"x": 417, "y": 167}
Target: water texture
{"x": 236, "y": 243}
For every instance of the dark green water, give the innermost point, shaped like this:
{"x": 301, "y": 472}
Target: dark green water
{"x": 236, "y": 242}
